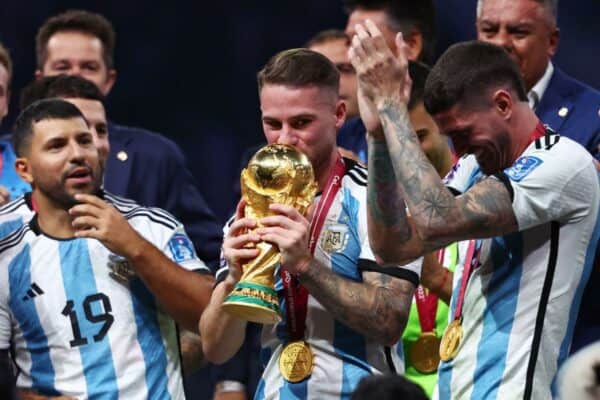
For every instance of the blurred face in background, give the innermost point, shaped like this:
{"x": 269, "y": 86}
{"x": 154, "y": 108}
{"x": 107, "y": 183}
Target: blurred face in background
{"x": 525, "y": 29}
{"x": 4, "y": 93}
{"x": 94, "y": 113}
{"x": 336, "y": 50}
{"x": 80, "y": 54}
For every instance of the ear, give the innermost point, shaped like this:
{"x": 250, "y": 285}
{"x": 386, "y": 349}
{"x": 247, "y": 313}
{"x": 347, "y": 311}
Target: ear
{"x": 554, "y": 39}
{"x": 414, "y": 44}
{"x": 111, "y": 78}
{"x": 24, "y": 169}
{"x": 340, "y": 114}
{"x": 38, "y": 74}
{"x": 503, "y": 103}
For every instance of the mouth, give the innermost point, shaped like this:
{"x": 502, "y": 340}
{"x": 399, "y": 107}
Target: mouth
{"x": 80, "y": 175}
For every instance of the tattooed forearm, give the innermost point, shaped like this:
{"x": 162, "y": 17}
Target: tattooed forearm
{"x": 439, "y": 217}
{"x": 377, "y": 309}
{"x": 387, "y": 211}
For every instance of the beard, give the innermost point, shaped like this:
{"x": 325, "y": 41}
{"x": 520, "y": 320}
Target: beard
{"x": 58, "y": 192}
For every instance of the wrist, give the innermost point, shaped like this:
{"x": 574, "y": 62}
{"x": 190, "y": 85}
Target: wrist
{"x": 136, "y": 249}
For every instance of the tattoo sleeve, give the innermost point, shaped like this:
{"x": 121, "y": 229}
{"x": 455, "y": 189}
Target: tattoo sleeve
{"x": 378, "y": 307}
{"x": 386, "y": 208}
{"x": 439, "y": 217}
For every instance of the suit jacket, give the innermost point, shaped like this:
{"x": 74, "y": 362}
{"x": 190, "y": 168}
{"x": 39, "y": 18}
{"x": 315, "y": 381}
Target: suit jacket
{"x": 151, "y": 169}
{"x": 572, "y": 109}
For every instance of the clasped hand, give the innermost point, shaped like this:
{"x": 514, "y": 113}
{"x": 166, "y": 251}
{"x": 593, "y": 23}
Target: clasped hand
{"x": 287, "y": 229}
{"x": 382, "y": 76}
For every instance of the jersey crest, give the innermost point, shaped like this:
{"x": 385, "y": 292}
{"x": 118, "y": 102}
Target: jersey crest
{"x": 182, "y": 248}
{"x": 523, "y": 167}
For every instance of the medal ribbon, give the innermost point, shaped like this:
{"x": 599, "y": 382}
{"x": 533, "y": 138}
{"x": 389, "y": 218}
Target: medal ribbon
{"x": 427, "y": 302}
{"x": 470, "y": 263}
{"x": 296, "y": 295}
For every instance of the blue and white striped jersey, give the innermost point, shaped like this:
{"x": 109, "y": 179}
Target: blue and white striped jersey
{"x": 73, "y": 329}
{"x": 342, "y": 356}
{"x": 522, "y": 301}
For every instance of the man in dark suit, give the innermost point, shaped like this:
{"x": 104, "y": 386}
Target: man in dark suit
{"x": 527, "y": 30}
{"x": 142, "y": 165}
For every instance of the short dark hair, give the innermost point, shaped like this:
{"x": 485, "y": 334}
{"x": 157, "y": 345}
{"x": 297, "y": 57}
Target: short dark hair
{"x": 36, "y": 112}
{"x": 6, "y": 61}
{"x": 299, "y": 68}
{"x": 77, "y": 21}
{"x": 326, "y": 36}
{"x": 465, "y": 73}
{"x": 418, "y": 74}
{"x": 62, "y": 86}
{"x": 387, "y": 387}
{"x": 404, "y": 16}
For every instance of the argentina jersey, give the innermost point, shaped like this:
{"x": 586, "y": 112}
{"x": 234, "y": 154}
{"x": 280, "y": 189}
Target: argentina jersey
{"x": 73, "y": 329}
{"x": 342, "y": 356}
{"x": 522, "y": 300}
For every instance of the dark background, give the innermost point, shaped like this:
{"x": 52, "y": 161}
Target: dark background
{"x": 187, "y": 68}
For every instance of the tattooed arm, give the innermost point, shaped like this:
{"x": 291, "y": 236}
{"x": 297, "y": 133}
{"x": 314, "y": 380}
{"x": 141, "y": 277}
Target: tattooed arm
{"x": 388, "y": 222}
{"x": 437, "y": 218}
{"x": 377, "y": 308}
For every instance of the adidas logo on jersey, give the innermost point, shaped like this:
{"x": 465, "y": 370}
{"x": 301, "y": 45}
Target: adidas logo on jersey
{"x": 33, "y": 292}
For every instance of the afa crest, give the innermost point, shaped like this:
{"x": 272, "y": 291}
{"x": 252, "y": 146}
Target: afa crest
{"x": 335, "y": 238}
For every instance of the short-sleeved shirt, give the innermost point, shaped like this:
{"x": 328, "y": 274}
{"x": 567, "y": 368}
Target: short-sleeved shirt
{"x": 342, "y": 356}
{"x": 76, "y": 331}
{"x": 521, "y": 302}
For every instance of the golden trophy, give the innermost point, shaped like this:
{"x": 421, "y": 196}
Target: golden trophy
{"x": 275, "y": 174}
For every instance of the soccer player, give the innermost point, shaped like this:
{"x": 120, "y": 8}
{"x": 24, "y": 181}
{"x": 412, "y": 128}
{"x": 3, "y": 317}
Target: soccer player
{"x": 87, "y": 286}
{"x": 354, "y": 308}
{"x": 528, "y": 195}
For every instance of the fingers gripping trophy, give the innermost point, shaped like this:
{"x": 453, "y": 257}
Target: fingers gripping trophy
{"x": 275, "y": 174}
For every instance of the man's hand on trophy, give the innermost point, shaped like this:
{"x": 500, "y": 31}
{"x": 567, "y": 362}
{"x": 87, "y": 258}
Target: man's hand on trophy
{"x": 239, "y": 242}
{"x": 289, "y": 231}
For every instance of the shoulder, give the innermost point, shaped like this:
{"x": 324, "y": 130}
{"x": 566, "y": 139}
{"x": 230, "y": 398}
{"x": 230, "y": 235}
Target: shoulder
{"x": 16, "y": 206}
{"x": 551, "y": 161}
{"x": 355, "y": 175}
{"x": 13, "y": 241}
{"x": 138, "y": 215}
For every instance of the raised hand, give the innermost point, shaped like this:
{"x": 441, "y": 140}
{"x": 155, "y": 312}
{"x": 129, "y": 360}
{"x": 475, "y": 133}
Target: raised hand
{"x": 382, "y": 76}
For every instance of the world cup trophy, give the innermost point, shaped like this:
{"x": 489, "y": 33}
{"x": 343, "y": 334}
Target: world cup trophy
{"x": 275, "y": 174}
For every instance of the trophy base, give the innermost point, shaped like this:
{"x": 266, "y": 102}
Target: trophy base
{"x": 253, "y": 302}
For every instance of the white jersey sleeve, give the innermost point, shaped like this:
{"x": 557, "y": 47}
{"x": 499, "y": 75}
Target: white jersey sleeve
{"x": 552, "y": 184}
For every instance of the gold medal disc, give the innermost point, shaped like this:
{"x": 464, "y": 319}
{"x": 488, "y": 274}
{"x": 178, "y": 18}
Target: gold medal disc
{"x": 451, "y": 340}
{"x": 296, "y": 361}
{"x": 425, "y": 353}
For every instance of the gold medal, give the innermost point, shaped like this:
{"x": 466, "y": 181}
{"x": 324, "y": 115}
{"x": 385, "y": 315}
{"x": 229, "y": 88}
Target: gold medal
{"x": 451, "y": 340}
{"x": 425, "y": 353}
{"x": 296, "y": 361}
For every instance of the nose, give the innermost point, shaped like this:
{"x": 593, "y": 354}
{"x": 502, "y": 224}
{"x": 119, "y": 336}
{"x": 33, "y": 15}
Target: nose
{"x": 502, "y": 39}
{"x": 287, "y": 136}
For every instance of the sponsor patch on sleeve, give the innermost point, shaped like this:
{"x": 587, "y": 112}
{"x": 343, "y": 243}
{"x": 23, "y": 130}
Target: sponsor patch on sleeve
{"x": 522, "y": 167}
{"x": 182, "y": 248}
